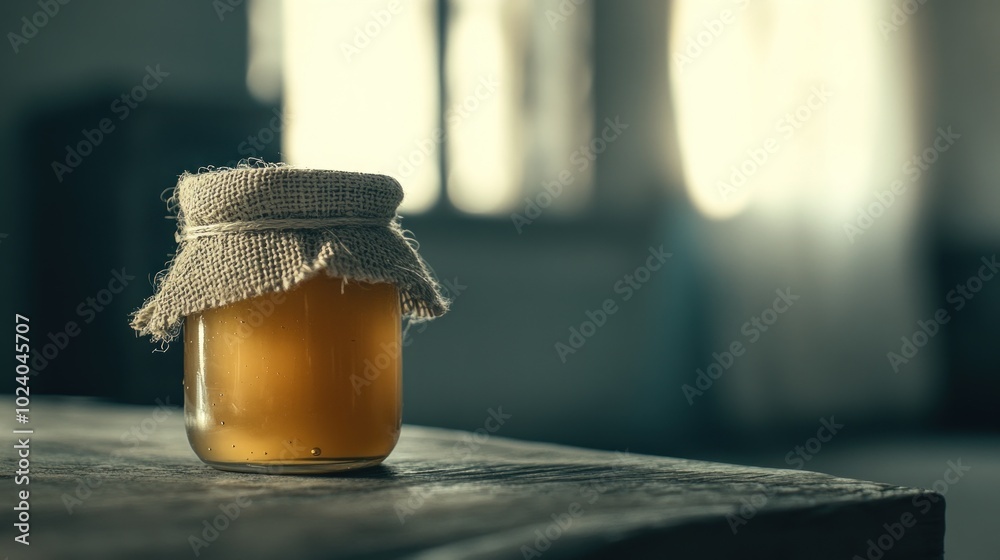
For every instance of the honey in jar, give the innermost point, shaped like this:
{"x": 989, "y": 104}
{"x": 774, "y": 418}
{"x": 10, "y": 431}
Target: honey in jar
{"x": 304, "y": 381}
{"x": 290, "y": 287}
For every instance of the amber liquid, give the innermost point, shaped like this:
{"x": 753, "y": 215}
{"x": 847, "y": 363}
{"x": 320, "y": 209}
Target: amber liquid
{"x": 301, "y": 382}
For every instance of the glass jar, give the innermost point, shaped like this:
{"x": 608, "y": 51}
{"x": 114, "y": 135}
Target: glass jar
{"x": 304, "y": 381}
{"x": 290, "y": 286}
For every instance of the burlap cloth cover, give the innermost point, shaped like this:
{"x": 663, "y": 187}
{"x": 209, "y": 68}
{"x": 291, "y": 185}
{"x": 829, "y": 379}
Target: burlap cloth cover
{"x": 234, "y": 242}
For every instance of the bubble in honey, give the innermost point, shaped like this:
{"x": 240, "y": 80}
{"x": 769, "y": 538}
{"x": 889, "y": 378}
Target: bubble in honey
{"x": 222, "y": 423}
{"x": 315, "y": 451}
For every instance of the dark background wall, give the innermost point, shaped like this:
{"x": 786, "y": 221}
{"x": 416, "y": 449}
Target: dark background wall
{"x": 519, "y": 294}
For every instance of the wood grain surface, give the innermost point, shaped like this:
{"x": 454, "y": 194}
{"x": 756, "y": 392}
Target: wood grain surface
{"x": 111, "y": 481}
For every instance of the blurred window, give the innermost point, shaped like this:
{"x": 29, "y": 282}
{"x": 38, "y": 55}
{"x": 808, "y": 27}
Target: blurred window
{"x": 789, "y": 107}
{"x": 471, "y": 104}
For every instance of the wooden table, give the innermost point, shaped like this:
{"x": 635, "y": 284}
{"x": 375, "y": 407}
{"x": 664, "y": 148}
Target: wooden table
{"x": 110, "y": 481}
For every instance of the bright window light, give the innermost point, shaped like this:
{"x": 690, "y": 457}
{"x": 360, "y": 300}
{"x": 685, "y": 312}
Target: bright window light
{"x": 361, "y": 91}
{"x": 786, "y": 105}
{"x": 485, "y": 80}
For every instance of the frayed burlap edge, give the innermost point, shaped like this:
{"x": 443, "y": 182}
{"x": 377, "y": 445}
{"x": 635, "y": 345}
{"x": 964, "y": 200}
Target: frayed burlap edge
{"x": 197, "y": 278}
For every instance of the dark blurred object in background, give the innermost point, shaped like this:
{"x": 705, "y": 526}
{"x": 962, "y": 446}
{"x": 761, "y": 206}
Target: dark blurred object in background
{"x": 119, "y": 239}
